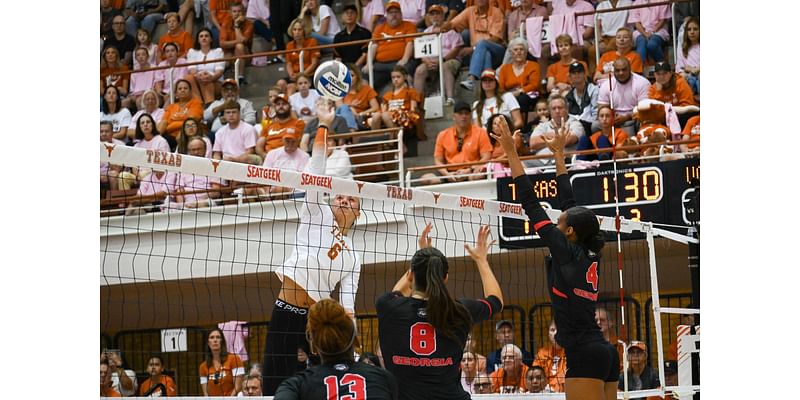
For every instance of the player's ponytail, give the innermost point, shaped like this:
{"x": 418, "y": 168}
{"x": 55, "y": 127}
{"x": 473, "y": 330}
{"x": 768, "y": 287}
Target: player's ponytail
{"x": 586, "y": 227}
{"x": 329, "y": 330}
{"x": 430, "y": 268}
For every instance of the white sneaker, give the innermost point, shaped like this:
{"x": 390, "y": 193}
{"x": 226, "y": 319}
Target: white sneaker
{"x": 449, "y": 101}
{"x": 468, "y": 84}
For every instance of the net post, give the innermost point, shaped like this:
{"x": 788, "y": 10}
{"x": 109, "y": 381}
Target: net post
{"x": 651, "y": 249}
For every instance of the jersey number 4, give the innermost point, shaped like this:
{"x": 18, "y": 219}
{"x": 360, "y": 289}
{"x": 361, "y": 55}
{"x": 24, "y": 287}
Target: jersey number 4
{"x": 591, "y": 275}
{"x": 423, "y": 339}
{"x": 356, "y": 387}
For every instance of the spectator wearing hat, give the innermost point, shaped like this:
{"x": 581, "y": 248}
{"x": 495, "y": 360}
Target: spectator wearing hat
{"x": 236, "y": 35}
{"x": 670, "y": 87}
{"x": 288, "y": 157}
{"x": 504, "y": 334}
{"x": 492, "y": 100}
{"x": 356, "y": 53}
{"x": 452, "y": 44}
{"x": 214, "y": 115}
{"x": 461, "y": 143}
{"x": 389, "y": 53}
{"x": 624, "y": 48}
{"x": 487, "y": 37}
{"x": 236, "y": 141}
{"x": 582, "y": 99}
{"x": 647, "y": 377}
{"x": 559, "y": 115}
{"x": 271, "y": 136}
{"x": 628, "y": 90}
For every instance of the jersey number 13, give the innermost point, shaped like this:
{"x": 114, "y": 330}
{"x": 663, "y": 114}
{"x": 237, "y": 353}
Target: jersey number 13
{"x": 356, "y": 387}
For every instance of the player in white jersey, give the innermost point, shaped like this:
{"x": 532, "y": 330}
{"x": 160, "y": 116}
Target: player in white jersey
{"x": 323, "y": 256}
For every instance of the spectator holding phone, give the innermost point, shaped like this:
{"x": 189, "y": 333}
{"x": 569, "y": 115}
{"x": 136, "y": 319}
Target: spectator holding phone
{"x": 122, "y": 380}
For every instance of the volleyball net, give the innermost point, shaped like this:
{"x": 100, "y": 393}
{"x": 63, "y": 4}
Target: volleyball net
{"x": 198, "y": 248}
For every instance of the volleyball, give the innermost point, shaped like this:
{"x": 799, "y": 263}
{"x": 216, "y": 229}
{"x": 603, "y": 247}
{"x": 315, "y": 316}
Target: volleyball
{"x": 332, "y": 80}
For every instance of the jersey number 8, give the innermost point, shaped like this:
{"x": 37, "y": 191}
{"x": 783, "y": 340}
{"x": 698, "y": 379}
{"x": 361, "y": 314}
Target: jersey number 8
{"x": 356, "y": 387}
{"x": 423, "y": 339}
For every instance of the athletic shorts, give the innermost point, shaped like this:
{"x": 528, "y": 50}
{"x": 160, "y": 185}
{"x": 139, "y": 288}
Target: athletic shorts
{"x": 596, "y": 360}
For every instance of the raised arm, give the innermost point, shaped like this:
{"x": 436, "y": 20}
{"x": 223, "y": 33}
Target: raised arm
{"x": 556, "y": 144}
{"x": 479, "y": 254}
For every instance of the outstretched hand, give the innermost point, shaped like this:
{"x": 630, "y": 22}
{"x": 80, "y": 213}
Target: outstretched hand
{"x": 424, "y": 238}
{"x": 558, "y": 141}
{"x": 325, "y": 113}
{"x": 481, "y": 249}
{"x": 503, "y": 135}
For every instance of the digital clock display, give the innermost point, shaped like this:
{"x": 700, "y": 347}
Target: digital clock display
{"x": 656, "y": 193}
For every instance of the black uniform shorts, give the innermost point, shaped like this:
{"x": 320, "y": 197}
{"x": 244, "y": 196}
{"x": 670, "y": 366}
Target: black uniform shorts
{"x": 596, "y": 360}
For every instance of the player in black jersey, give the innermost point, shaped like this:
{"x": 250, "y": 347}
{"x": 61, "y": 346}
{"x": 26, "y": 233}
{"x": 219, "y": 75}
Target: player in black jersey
{"x": 572, "y": 276}
{"x": 422, "y": 330}
{"x": 331, "y": 333}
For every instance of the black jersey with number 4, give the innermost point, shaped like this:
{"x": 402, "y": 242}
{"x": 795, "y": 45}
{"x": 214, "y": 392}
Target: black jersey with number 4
{"x": 572, "y": 274}
{"x": 425, "y": 363}
{"x": 339, "y": 380}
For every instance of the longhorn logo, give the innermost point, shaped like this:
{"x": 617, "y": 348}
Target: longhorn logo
{"x": 215, "y": 163}
{"x": 109, "y": 148}
{"x": 436, "y": 198}
{"x": 360, "y": 186}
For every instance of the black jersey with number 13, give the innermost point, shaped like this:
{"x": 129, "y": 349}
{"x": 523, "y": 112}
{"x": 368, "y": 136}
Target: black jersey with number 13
{"x": 425, "y": 363}
{"x": 339, "y": 381}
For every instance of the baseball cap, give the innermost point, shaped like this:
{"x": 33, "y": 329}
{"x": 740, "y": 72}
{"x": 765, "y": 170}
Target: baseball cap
{"x": 292, "y": 133}
{"x": 461, "y": 106}
{"x": 350, "y": 7}
{"x": 393, "y": 4}
{"x": 282, "y": 96}
{"x": 662, "y": 66}
{"x": 670, "y": 367}
{"x": 230, "y": 81}
{"x": 488, "y": 73}
{"x": 638, "y": 344}
{"x": 503, "y": 322}
{"x": 435, "y": 7}
{"x": 576, "y": 67}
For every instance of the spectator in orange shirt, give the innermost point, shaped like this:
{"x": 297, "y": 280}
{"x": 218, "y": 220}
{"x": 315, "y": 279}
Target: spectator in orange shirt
{"x": 175, "y": 35}
{"x": 552, "y": 358}
{"x": 155, "y": 367}
{"x": 362, "y": 99}
{"x": 112, "y": 71}
{"x": 221, "y": 374}
{"x": 461, "y": 143}
{"x": 300, "y": 32}
{"x": 691, "y": 131}
{"x": 184, "y": 107}
{"x": 400, "y": 100}
{"x": 521, "y": 77}
{"x": 219, "y": 14}
{"x": 510, "y": 378}
{"x": 271, "y": 136}
{"x": 106, "y": 389}
{"x": 602, "y": 139}
{"x": 624, "y": 48}
{"x": 670, "y": 87}
{"x": 558, "y": 72}
{"x": 236, "y": 35}
{"x": 390, "y": 53}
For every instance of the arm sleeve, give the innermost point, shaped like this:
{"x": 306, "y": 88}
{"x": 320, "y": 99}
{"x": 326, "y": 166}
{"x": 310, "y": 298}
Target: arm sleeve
{"x": 565, "y": 196}
{"x": 349, "y": 287}
{"x": 553, "y": 238}
{"x": 289, "y": 389}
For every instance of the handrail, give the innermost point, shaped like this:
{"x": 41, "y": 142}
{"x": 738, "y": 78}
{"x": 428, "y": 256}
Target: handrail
{"x": 542, "y": 156}
{"x": 363, "y": 133}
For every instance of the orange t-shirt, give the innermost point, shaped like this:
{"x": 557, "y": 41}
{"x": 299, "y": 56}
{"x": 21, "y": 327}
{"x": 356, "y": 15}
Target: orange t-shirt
{"x": 503, "y": 5}
{"x": 501, "y": 380}
{"x": 109, "y": 392}
{"x": 611, "y": 56}
{"x": 360, "y": 99}
{"x": 687, "y": 131}
{"x": 172, "y": 389}
{"x": 294, "y": 57}
{"x": 175, "y": 115}
{"x": 619, "y": 133}
{"x": 560, "y": 71}
{"x": 528, "y": 79}
{"x": 183, "y": 39}
{"x": 221, "y": 382}
{"x": 221, "y": 10}
{"x": 481, "y": 27}
{"x": 392, "y": 50}
{"x": 679, "y": 95}
{"x": 228, "y": 32}
{"x": 274, "y": 132}
{"x": 476, "y": 141}
{"x": 554, "y": 363}
{"x": 402, "y": 98}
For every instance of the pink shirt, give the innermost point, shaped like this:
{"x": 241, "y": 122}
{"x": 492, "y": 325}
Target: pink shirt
{"x": 235, "y": 142}
{"x": 156, "y": 143}
{"x": 279, "y": 158}
{"x": 152, "y": 184}
{"x": 692, "y": 60}
{"x": 235, "y": 336}
{"x": 191, "y": 182}
{"x": 649, "y": 17}
{"x": 375, "y": 7}
{"x": 257, "y": 9}
{"x": 413, "y": 10}
{"x": 626, "y": 96}
{"x": 141, "y": 81}
{"x": 450, "y": 40}
{"x": 157, "y": 115}
{"x": 561, "y": 7}
{"x": 178, "y": 73}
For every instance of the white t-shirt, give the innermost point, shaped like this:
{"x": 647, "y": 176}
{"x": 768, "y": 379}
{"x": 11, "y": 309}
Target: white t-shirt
{"x": 612, "y": 21}
{"x": 213, "y": 54}
{"x": 490, "y": 107}
{"x": 298, "y": 103}
{"x": 322, "y": 256}
{"x": 118, "y": 119}
{"x": 339, "y": 165}
{"x": 333, "y": 25}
